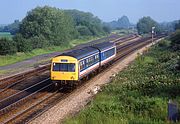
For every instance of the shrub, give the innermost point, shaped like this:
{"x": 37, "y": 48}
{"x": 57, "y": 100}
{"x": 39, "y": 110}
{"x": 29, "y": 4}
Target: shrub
{"x": 178, "y": 65}
{"x": 164, "y": 43}
{"x": 7, "y": 46}
{"x": 175, "y": 38}
{"x": 23, "y": 45}
{"x": 83, "y": 30}
{"x": 39, "y": 42}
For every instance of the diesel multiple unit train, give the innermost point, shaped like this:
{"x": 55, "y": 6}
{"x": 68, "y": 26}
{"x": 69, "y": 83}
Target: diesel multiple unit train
{"x": 77, "y": 64}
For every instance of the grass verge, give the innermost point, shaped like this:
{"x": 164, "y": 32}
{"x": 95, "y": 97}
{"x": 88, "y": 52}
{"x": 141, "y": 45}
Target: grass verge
{"x": 139, "y": 94}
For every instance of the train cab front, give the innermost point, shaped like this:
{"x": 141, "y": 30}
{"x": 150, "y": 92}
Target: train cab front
{"x": 64, "y": 68}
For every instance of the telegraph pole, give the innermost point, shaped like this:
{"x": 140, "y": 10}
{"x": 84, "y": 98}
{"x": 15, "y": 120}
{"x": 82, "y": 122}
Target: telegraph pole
{"x": 152, "y": 34}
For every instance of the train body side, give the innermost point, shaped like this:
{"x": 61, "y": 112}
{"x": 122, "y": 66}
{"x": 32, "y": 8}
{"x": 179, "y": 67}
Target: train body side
{"x": 81, "y": 62}
{"x": 107, "y": 55}
{"x": 89, "y": 64}
{"x": 107, "y": 52}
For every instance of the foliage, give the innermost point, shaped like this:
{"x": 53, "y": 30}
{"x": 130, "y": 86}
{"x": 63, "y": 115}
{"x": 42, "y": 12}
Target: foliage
{"x": 124, "y": 22}
{"x": 23, "y": 45}
{"x": 12, "y": 28}
{"x": 107, "y": 29}
{"x": 83, "y": 30}
{"x": 145, "y": 25}
{"x": 168, "y": 27}
{"x": 48, "y": 23}
{"x": 20, "y": 56}
{"x": 7, "y": 46}
{"x": 47, "y": 26}
{"x": 86, "y": 21}
{"x": 121, "y": 23}
{"x": 139, "y": 94}
{"x": 175, "y": 38}
{"x": 177, "y": 25}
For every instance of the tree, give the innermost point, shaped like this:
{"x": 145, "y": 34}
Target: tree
{"x": 7, "y": 46}
{"x": 86, "y": 21}
{"x": 177, "y": 25}
{"x": 50, "y": 23}
{"x": 145, "y": 25}
{"x": 12, "y": 28}
{"x": 83, "y": 30}
{"x": 121, "y": 23}
{"x": 107, "y": 29}
{"x": 23, "y": 45}
{"x": 175, "y": 38}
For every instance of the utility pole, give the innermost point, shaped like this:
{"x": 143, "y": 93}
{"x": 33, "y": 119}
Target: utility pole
{"x": 152, "y": 34}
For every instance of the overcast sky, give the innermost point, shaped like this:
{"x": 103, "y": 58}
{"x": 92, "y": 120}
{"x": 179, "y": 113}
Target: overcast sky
{"x": 107, "y": 10}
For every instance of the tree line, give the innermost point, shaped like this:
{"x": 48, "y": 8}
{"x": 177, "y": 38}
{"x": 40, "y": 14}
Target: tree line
{"x": 145, "y": 25}
{"x": 12, "y": 28}
{"x": 48, "y": 26}
{"x": 121, "y": 23}
{"x": 175, "y": 38}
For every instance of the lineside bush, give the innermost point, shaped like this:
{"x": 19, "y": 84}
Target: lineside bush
{"x": 7, "y": 46}
{"x": 175, "y": 38}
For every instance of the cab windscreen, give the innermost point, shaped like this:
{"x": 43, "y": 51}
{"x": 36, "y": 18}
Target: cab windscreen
{"x": 64, "y": 67}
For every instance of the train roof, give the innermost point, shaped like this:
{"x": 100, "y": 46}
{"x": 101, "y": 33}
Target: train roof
{"x": 81, "y": 53}
{"x": 103, "y": 46}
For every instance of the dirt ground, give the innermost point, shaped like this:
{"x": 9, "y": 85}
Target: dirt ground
{"x": 79, "y": 99}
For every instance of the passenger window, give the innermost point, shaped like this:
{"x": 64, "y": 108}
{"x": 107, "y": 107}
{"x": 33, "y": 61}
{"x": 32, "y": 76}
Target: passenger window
{"x": 96, "y": 58}
{"x": 82, "y": 64}
{"x": 87, "y": 62}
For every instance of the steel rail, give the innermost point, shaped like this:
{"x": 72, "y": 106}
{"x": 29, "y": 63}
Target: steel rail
{"x": 31, "y": 107}
{"x": 14, "y": 103}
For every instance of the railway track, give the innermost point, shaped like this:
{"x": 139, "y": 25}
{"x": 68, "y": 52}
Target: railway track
{"x": 42, "y": 98}
{"x": 124, "y": 39}
{"x": 13, "y": 80}
{"x": 119, "y": 58}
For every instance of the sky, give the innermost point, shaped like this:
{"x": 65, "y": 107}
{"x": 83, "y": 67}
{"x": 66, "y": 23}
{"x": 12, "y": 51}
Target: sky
{"x": 107, "y": 10}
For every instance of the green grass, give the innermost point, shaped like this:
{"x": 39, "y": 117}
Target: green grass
{"x": 137, "y": 95}
{"x": 3, "y": 72}
{"x": 10, "y": 59}
{"x": 122, "y": 32}
{"x": 5, "y": 35}
{"x": 83, "y": 40}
